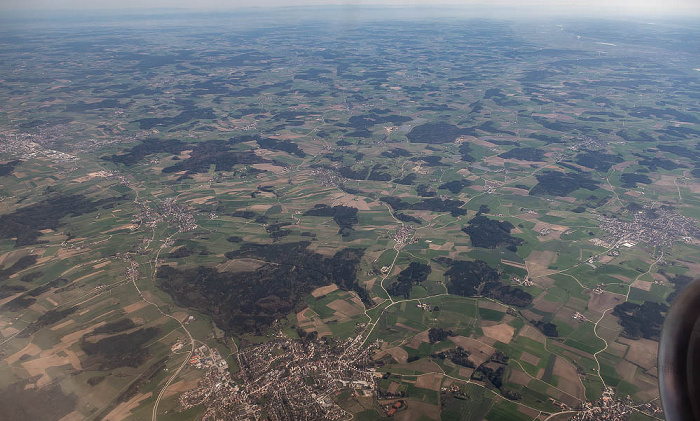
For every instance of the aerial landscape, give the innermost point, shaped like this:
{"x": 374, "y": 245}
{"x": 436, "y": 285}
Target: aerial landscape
{"x": 334, "y": 214}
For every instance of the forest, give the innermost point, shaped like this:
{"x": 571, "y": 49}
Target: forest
{"x": 344, "y": 216}
{"x": 630, "y": 180}
{"x": 8, "y": 167}
{"x": 434, "y": 204}
{"x": 524, "y": 154}
{"x": 455, "y": 186}
{"x": 489, "y": 233}
{"x": 437, "y": 133}
{"x": 438, "y": 334}
{"x": 281, "y": 145}
{"x": 548, "y": 328}
{"x": 147, "y": 147}
{"x": 46, "y": 319}
{"x": 250, "y": 301}
{"x": 477, "y": 278}
{"x": 458, "y": 355}
{"x": 557, "y": 183}
{"x": 597, "y": 160}
{"x": 21, "y": 264}
{"x": 414, "y": 274}
{"x": 467, "y": 278}
{"x": 641, "y": 320}
{"x": 122, "y": 350}
{"x": 206, "y": 154}
{"x": 25, "y": 224}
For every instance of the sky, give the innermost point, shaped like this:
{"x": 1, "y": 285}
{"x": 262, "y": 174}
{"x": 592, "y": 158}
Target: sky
{"x": 632, "y": 6}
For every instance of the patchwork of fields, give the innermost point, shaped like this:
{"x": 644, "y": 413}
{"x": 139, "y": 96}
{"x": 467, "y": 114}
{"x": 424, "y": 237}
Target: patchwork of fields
{"x": 496, "y": 214}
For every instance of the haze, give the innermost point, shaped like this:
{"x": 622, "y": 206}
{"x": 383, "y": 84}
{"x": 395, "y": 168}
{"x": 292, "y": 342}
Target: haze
{"x": 633, "y": 6}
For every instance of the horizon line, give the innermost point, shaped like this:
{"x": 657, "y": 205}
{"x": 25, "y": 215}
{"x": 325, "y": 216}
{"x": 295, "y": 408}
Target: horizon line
{"x": 506, "y": 7}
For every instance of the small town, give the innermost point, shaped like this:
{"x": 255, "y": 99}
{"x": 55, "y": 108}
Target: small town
{"x": 283, "y": 379}
{"x": 611, "y": 408}
{"x": 656, "y": 227}
{"x": 169, "y": 211}
{"x": 404, "y": 235}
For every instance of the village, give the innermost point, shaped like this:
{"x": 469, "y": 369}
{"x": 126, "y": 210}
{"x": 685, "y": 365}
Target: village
{"x": 656, "y": 227}
{"x": 611, "y": 408}
{"x": 283, "y": 379}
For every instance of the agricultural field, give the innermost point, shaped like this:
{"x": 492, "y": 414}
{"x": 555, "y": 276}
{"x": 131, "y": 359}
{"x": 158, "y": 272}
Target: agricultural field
{"x": 449, "y": 218}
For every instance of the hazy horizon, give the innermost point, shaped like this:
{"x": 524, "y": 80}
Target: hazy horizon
{"x": 538, "y": 6}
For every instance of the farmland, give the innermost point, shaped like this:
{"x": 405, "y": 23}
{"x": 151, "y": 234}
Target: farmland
{"x": 487, "y": 228}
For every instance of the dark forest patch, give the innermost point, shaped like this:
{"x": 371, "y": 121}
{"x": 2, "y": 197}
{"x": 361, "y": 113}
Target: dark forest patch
{"x": 671, "y": 133}
{"x": 430, "y": 161}
{"x": 26, "y": 223}
{"x": 597, "y": 160}
{"x": 245, "y": 214}
{"x": 436, "y": 133}
{"x": 630, "y": 180}
{"x": 434, "y": 204}
{"x": 10, "y": 290}
{"x": 680, "y": 151}
{"x": 9, "y": 167}
{"x": 524, "y": 154}
{"x": 465, "y": 151}
{"x": 122, "y": 350}
{"x": 82, "y": 106}
{"x": 467, "y": 278}
{"x": 655, "y": 163}
{"x": 643, "y": 320}
{"x": 557, "y": 126}
{"x": 635, "y": 137}
{"x": 378, "y": 173}
{"x": 407, "y": 180}
{"x": 354, "y": 174}
{"x": 414, "y": 274}
{"x": 396, "y": 153}
{"x": 491, "y": 127}
{"x": 344, "y": 216}
{"x": 216, "y": 153}
{"x": 21, "y": 264}
{"x": 477, "y": 278}
{"x": 489, "y": 233}
{"x": 406, "y": 218}
{"x": 48, "y": 403}
{"x": 546, "y": 138}
{"x": 504, "y": 142}
{"x": 281, "y": 145}
{"x": 276, "y": 232}
{"x": 46, "y": 319}
{"x": 557, "y": 183}
{"x": 18, "y": 303}
{"x": 548, "y": 328}
{"x": 424, "y": 190}
{"x": 679, "y": 282}
{"x": 665, "y": 114}
{"x": 31, "y": 277}
{"x": 181, "y": 252}
{"x": 455, "y": 186}
{"x": 438, "y": 334}
{"x": 251, "y": 301}
{"x": 457, "y": 355}
{"x": 27, "y": 299}
{"x": 510, "y": 295}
